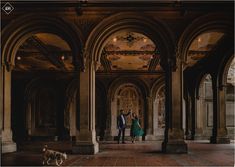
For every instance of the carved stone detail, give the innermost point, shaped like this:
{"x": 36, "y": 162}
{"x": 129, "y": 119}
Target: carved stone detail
{"x": 86, "y": 24}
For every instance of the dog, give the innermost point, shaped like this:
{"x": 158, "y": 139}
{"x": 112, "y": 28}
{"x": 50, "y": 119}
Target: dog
{"x": 51, "y": 155}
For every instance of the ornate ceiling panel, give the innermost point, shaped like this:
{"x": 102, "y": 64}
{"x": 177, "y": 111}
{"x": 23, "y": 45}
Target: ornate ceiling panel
{"x": 53, "y": 40}
{"x": 202, "y": 45}
{"x": 44, "y": 52}
{"x": 129, "y": 51}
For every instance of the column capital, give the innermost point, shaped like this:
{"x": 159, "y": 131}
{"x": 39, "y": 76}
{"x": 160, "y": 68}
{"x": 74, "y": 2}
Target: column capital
{"x": 84, "y": 58}
{"x": 222, "y": 87}
{"x": 97, "y": 64}
{"x": 8, "y": 66}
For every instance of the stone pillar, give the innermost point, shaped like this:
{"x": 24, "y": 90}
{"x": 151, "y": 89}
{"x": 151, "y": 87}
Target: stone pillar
{"x": 193, "y": 116}
{"x": 174, "y": 134}
{"x": 86, "y": 136}
{"x": 188, "y": 131}
{"x": 72, "y": 116}
{"x": 219, "y": 132}
{"x": 6, "y": 133}
{"x": 149, "y": 132}
{"x": 111, "y": 125}
{"x": 155, "y": 116}
{"x": 199, "y": 119}
{"x": 29, "y": 118}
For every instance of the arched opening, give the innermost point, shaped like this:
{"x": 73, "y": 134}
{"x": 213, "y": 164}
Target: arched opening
{"x": 202, "y": 45}
{"x": 230, "y": 83}
{"x": 204, "y": 113}
{"x": 42, "y": 48}
{"x": 199, "y": 52}
{"x": 127, "y": 97}
{"x": 128, "y": 46}
{"x": 41, "y": 106}
{"x": 126, "y": 52}
{"x": 159, "y": 113}
{"x": 71, "y": 110}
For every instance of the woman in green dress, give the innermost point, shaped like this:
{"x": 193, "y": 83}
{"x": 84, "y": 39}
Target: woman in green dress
{"x": 135, "y": 128}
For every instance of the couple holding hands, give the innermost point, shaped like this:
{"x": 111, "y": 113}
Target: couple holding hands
{"x": 136, "y": 129}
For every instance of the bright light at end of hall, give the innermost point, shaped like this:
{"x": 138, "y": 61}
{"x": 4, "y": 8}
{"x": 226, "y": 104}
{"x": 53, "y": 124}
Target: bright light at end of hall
{"x": 62, "y": 57}
{"x": 18, "y": 58}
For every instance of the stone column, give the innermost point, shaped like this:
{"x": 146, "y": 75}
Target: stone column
{"x": 86, "y": 136}
{"x": 149, "y": 132}
{"x": 219, "y": 132}
{"x": 188, "y": 131}
{"x": 193, "y": 116}
{"x": 174, "y": 134}
{"x": 155, "y": 116}
{"x": 6, "y": 133}
{"x": 199, "y": 119}
{"x": 29, "y": 118}
{"x": 72, "y": 116}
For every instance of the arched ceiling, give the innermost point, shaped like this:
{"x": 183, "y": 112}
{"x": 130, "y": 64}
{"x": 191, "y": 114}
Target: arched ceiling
{"x": 44, "y": 51}
{"x": 130, "y": 51}
{"x": 202, "y": 46}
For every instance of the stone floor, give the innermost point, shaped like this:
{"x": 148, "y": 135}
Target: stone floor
{"x": 200, "y": 153}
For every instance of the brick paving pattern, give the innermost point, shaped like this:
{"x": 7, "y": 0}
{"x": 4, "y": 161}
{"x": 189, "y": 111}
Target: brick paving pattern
{"x": 138, "y": 154}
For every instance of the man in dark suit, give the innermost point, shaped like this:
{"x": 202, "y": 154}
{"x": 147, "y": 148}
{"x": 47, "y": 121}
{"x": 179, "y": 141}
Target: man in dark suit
{"x": 121, "y": 121}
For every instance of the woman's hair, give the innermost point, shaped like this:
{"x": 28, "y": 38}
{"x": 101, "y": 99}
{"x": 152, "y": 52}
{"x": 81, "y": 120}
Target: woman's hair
{"x": 134, "y": 115}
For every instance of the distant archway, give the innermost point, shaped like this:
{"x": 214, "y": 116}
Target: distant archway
{"x": 204, "y": 113}
{"x": 230, "y": 85}
{"x": 127, "y": 97}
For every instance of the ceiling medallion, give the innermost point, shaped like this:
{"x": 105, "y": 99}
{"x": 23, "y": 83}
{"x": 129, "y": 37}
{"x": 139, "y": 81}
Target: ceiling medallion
{"x": 130, "y": 38}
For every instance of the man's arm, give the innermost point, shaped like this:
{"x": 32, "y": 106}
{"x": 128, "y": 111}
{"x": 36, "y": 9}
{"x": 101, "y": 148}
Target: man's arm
{"x": 127, "y": 113}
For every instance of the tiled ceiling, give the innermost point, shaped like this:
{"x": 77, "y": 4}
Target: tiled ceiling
{"x": 129, "y": 51}
{"x": 202, "y": 45}
{"x": 44, "y": 51}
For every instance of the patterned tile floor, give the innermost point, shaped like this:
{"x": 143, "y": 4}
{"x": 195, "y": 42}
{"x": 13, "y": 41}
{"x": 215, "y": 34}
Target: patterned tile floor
{"x": 200, "y": 153}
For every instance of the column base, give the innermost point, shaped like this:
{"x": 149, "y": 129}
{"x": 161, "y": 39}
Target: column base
{"x": 150, "y": 137}
{"x": 189, "y": 136}
{"x": 174, "y": 147}
{"x": 154, "y": 137}
{"x": 85, "y": 148}
{"x": 219, "y": 140}
{"x": 8, "y": 147}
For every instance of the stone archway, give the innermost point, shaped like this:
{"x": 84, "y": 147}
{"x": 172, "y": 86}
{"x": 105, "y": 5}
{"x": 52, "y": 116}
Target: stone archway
{"x": 228, "y": 83}
{"x": 159, "y": 113}
{"x": 41, "y": 111}
{"x": 127, "y": 97}
{"x": 217, "y": 22}
{"x": 204, "y": 113}
{"x": 158, "y": 95}
{"x": 71, "y": 108}
{"x": 13, "y": 36}
{"x": 156, "y": 30}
